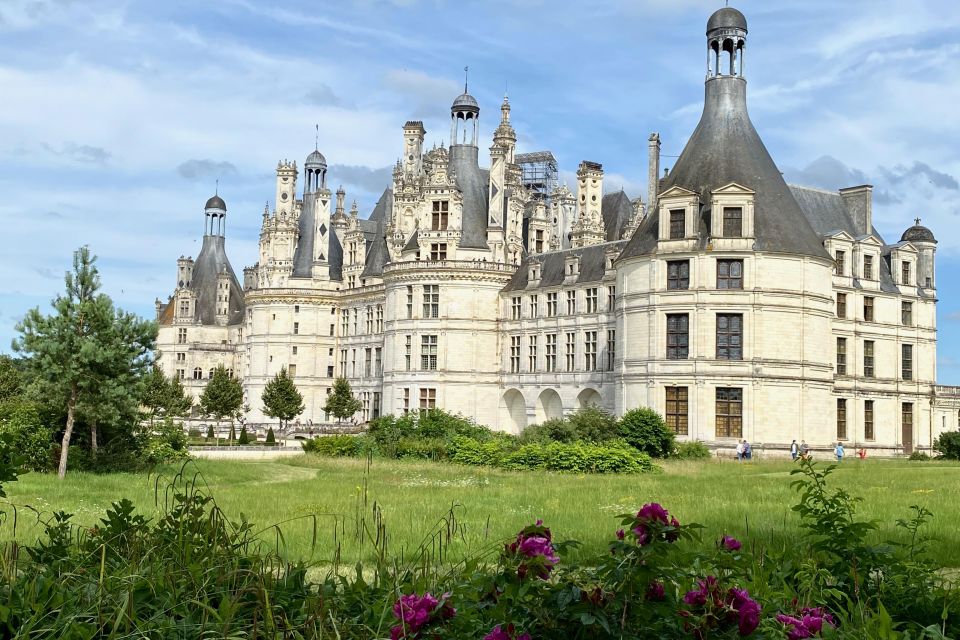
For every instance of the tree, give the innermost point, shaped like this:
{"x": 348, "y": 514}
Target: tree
{"x": 210, "y": 434}
{"x": 281, "y": 399}
{"x": 222, "y": 397}
{"x": 341, "y": 403}
{"x": 271, "y": 438}
{"x": 164, "y": 397}
{"x": 244, "y": 438}
{"x": 86, "y": 349}
{"x": 11, "y": 379}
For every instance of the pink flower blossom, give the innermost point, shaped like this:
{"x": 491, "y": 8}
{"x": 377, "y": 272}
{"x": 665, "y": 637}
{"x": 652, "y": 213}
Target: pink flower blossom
{"x": 499, "y": 633}
{"x": 730, "y": 543}
{"x": 807, "y": 624}
{"x": 534, "y": 542}
{"x": 650, "y": 520}
{"x": 655, "y": 592}
{"x": 747, "y": 610}
{"x": 415, "y": 612}
{"x": 620, "y": 534}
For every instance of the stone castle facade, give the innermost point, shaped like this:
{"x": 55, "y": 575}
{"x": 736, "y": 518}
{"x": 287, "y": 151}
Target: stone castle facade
{"x": 732, "y": 303}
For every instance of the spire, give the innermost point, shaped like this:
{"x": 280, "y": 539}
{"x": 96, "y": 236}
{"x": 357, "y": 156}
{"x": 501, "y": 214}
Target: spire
{"x": 466, "y": 76}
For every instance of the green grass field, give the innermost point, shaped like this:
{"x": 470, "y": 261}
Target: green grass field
{"x": 751, "y": 501}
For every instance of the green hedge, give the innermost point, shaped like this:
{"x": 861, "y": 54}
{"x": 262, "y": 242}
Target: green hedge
{"x": 338, "y": 446}
{"x": 576, "y": 457}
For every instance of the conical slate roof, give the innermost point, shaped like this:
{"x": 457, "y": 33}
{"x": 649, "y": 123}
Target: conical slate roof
{"x": 726, "y": 148}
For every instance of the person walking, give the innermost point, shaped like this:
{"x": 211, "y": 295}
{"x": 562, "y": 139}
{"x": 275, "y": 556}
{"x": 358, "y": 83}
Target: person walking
{"x": 804, "y": 450}
{"x": 794, "y": 450}
{"x": 839, "y": 452}
{"x": 740, "y": 450}
{"x": 747, "y": 450}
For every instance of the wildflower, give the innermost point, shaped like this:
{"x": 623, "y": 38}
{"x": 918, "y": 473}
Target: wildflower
{"x": 655, "y": 592}
{"x": 535, "y": 548}
{"x": 620, "y": 534}
{"x": 415, "y": 612}
{"x": 649, "y": 520}
{"x": 730, "y": 543}
{"x": 747, "y": 610}
{"x": 707, "y": 587}
{"x": 499, "y": 633}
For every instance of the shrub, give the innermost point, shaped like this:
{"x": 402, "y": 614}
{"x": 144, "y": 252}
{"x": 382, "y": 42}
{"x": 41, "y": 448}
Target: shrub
{"x": 166, "y": 443}
{"x": 395, "y": 436}
{"x": 593, "y": 424}
{"x": 29, "y": 440}
{"x": 690, "y": 450}
{"x": 210, "y": 434}
{"x": 920, "y": 456}
{"x": 645, "y": 430}
{"x": 422, "y": 448}
{"x": 244, "y": 438}
{"x": 271, "y": 439}
{"x": 469, "y": 451}
{"x": 336, "y": 446}
{"x": 576, "y": 457}
{"x": 553, "y": 430}
{"x": 948, "y": 445}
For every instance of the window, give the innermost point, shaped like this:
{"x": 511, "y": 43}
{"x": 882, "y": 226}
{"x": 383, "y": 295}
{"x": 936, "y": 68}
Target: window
{"x": 438, "y": 251}
{"x": 181, "y": 336}
{"x": 441, "y": 212}
{"x": 296, "y": 328}
{"x": 181, "y": 374}
{"x": 532, "y": 354}
{"x": 611, "y": 348}
{"x": 906, "y": 314}
{"x": 551, "y": 352}
{"x": 515, "y": 308}
{"x": 868, "y": 358}
{"x": 571, "y": 353}
{"x": 678, "y": 275}
{"x": 379, "y": 318}
{"x": 729, "y": 274}
{"x": 906, "y": 361}
{"x": 184, "y": 308}
{"x": 906, "y": 420}
{"x": 514, "y": 354}
{"x": 729, "y": 412}
{"x": 590, "y": 350}
{"x": 840, "y": 263}
{"x": 331, "y": 329}
{"x": 534, "y": 306}
{"x": 409, "y": 302}
{"x": 409, "y": 350}
{"x": 729, "y": 336}
{"x": 343, "y": 362}
{"x": 732, "y": 222}
{"x": 369, "y": 319}
{"x": 378, "y": 362}
{"x": 367, "y": 362}
{"x": 571, "y": 302}
{"x": 291, "y": 370}
{"x": 552, "y": 304}
{"x": 351, "y": 282}
{"x": 294, "y": 351}
{"x": 198, "y": 374}
{"x": 406, "y": 400}
{"x": 345, "y": 323}
{"x": 330, "y": 371}
{"x": 376, "y": 404}
{"x": 353, "y": 363}
{"x": 356, "y": 320}
{"x": 428, "y": 399}
{"x": 678, "y": 336}
{"x": 591, "y": 295}
{"x": 612, "y": 298}
{"x": 868, "y": 267}
{"x": 431, "y": 301}
{"x": 868, "y": 419}
{"x": 352, "y": 252}
{"x": 677, "y": 409}
{"x": 868, "y": 309}
{"x": 677, "y": 224}
{"x": 296, "y": 308}
{"x": 841, "y": 419}
{"x": 538, "y": 242}
{"x": 842, "y": 305}
{"x": 181, "y": 357}
{"x": 841, "y": 356}
{"x": 428, "y": 353}
{"x": 905, "y": 273}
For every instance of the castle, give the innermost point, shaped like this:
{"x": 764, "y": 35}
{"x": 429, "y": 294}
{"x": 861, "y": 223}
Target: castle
{"x": 734, "y": 304}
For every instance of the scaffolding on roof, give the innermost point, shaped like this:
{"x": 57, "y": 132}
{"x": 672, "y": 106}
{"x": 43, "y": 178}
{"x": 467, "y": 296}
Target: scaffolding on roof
{"x": 538, "y": 171}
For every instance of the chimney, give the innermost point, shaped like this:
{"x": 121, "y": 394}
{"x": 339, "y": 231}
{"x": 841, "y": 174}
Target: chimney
{"x": 859, "y": 204}
{"x": 653, "y": 171}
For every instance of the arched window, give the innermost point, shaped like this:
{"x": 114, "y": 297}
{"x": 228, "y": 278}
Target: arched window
{"x": 230, "y": 373}
{"x": 197, "y": 373}
{"x": 211, "y": 372}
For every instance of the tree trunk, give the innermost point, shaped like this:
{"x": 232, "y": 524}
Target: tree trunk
{"x": 93, "y": 438}
{"x": 65, "y": 444}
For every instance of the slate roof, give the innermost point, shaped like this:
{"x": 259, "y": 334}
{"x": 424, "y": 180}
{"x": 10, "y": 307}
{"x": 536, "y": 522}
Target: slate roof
{"x": 617, "y": 210}
{"x": 377, "y": 254}
{"x": 474, "y": 183}
{"x": 212, "y": 261}
{"x": 593, "y": 266}
{"x": 726, "y": 148}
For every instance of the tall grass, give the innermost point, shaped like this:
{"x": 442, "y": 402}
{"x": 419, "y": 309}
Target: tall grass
{"x": 338, "y": 511}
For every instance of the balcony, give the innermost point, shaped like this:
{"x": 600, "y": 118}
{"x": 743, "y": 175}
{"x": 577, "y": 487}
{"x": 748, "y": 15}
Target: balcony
{"x": 946, "y": 391}
{"x": 461, "y": 265}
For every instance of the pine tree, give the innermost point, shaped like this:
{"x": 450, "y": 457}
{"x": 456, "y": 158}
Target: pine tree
{"x": 222, "y": 397}
{"x": 87, "y": 353}
{"x": 281, "y": 399}
{"x": 341, "y": 403}
{"x": 210, "y": 434}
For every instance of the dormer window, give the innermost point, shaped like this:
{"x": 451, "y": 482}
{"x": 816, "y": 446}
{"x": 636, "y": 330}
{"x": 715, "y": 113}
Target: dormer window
{"x": 905, "y": 273}
{"x": 441, "y": 212}
{"x": 732, "y": 222}
{"x": 840, "y": 263}
{"x": 677, "y": 224}
{"x": 534, "y": 273}
{"x": 868, "y": 267}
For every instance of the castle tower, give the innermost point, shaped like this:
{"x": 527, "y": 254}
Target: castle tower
{"x": 184, "y": 272}
{"x": 413, "y": 133}
{"x": 312, "y": 257}
{"x": 501, "y": 157}
{"x": 464, "y": 120}
{"x": 563, "y": 207}
{"x": 925, "y": 242}
{"x": 286, "y": 187}
{"x": 588, "y": 229}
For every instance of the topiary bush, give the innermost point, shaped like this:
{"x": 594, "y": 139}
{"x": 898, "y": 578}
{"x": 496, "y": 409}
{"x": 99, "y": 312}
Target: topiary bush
{"x": 336, "y": 446}
{"x": 690, "y": 450}
{"x": 244, "y": 438}
{"x": 948, "y": 445}
{"x": 210, "y": 434}
{"x": 271, "y": 439}
{"x": 644, "y": 429}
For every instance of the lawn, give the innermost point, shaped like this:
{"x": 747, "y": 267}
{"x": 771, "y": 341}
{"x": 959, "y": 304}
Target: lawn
{"x": 751, "y": 501}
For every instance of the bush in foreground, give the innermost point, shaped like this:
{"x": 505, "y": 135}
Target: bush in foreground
{"x": 645, "y": 430}
{"x": 948, "y": 445}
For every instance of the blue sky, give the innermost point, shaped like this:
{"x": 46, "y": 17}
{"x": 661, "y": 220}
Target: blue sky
{"x": 117, "y": 117}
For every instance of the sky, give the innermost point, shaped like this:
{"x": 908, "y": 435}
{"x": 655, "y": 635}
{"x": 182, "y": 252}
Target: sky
{"x": 117, "y": 118}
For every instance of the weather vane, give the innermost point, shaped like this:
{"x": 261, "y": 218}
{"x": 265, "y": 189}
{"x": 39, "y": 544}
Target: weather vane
{"x": 466, "y": 76}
